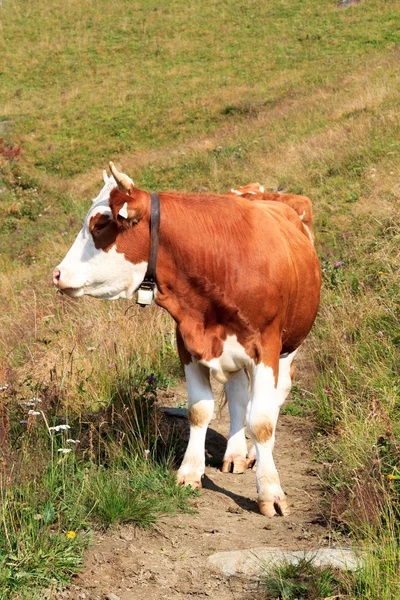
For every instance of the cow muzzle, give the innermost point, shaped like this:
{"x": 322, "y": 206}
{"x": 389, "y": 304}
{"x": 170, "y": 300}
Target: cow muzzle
{"x": 62, "y": 285}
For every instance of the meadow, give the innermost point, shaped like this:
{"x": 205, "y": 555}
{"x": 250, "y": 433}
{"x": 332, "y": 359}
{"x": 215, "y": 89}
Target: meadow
{"x": 298, "y": 95}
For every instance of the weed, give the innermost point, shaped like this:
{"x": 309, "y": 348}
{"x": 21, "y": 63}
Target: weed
{"x": 303, "y": 581}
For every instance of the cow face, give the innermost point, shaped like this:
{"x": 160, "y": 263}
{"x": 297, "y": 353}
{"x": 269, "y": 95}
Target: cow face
{"x": 252, "y": 191}
{"x": 102, "y": 261}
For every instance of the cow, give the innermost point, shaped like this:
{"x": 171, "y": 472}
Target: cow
{"x": 241, "y": 280}
{"x": 301, "y": 204}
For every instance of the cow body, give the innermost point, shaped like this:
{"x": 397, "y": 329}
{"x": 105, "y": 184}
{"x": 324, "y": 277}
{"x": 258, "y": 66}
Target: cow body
{"x": 242, "y": 282}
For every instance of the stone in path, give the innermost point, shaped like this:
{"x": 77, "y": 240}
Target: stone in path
{"x": 254, "y": 561}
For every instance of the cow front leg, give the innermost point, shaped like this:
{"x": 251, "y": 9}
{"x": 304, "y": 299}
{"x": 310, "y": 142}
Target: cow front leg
{"x": 237, "y": 393}
{"x": 265, "y": 402}
{"x": 200, "y": 412}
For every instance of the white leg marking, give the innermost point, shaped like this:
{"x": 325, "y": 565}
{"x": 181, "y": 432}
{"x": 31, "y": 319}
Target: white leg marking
{"x": 285, "y": 379}
{"x": 237, "y": 391}
{"x": 200, "y": 408}
{"x": 262, "y": 416}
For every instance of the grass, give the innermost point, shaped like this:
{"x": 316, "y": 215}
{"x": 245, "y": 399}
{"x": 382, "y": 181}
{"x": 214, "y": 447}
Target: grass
{"x": 47, "y": 522}
{"x": 36, "y": 516}
{"x": 106, "y": 104}
{"x": 303, "y": 581}
{"x": 298, "y": 95}
{"x": 60, "y": 483}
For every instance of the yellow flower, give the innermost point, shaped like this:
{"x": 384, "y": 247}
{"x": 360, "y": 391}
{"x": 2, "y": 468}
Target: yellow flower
{"x": 71, "y": 535}
{"x": 392, "y": 477}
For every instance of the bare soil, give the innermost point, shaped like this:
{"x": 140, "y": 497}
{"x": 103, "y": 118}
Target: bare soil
{"x": 170, "y": 560}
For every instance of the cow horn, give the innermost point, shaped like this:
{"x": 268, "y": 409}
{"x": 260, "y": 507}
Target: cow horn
{"x": 123, "y": 181}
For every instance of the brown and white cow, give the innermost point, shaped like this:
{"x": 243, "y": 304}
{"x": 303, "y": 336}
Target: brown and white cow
{"x": 241, "y": 280}
{"x": 301, "y": 204}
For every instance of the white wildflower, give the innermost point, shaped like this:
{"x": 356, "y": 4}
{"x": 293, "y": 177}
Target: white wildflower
{"x": 70, "y": 441}
{"x": 29, "y": 403}
{"x": 33, "y": 413}
{"x": 59, "y": 428}
{"x": 65, "y": 450}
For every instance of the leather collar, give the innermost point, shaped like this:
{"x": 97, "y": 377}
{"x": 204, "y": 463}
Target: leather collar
{"x": 146, "y": 290}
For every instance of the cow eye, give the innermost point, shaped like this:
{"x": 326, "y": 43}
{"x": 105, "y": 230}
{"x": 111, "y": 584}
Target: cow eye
{"x": 99, "y": 226}
{"x": 98, "y": 223}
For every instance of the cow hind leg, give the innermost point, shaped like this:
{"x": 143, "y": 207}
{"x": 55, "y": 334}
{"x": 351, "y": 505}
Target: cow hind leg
{"x": 237, "y": 392}
{"x": 200, "y": 411}
{"x": 262, "y": 415}
{"x": 286, "y": 373}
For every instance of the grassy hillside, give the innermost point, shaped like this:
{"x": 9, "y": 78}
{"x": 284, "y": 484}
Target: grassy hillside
{"x": 299, "y": 95}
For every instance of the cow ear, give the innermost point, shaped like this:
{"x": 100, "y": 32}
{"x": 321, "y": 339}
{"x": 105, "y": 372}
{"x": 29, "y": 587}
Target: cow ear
{"x": 128, "y": 209}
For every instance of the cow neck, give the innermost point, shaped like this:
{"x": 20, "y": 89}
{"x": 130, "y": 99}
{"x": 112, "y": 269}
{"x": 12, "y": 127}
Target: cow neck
{"x": 146, "y": 290}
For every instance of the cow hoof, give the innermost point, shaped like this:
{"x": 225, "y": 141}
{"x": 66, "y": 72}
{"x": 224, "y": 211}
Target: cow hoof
{"x": 187, "y": 481}
{"x": 234, "y": 464}
{"x": 278, "y": 506}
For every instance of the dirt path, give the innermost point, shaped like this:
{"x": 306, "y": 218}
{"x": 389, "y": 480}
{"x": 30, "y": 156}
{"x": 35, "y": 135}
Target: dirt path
{"x": 171, "y": 561}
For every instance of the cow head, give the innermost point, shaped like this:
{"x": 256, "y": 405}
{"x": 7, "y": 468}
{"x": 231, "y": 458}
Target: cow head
{"x": 252, "y": 191}
{"x": 108, "y": 258}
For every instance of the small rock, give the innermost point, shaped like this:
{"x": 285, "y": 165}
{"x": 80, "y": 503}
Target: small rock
{"x": 112, "y": 597}
{"x": 211, "y": 531}
{"x": 236, "y": 510}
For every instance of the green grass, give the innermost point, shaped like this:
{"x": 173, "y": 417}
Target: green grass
{"x": 298, "y": 403}
{"x": 135, "y": 492}
{"x": 302, "y": 581}
{"x": 35, "y": 550}
{"x": 101, "y": 79}
{"x": 298, "y": 95}
{"x": 47, "y": 522}
{"x": 60, "y": 485}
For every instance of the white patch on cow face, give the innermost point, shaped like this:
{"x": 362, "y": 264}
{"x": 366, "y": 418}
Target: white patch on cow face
{"x": 233, "y": 358}
{"x": 86, "y": 270}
